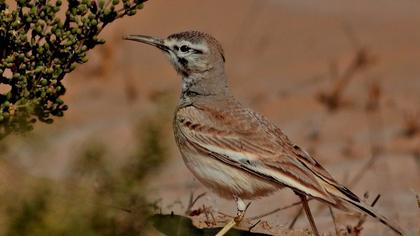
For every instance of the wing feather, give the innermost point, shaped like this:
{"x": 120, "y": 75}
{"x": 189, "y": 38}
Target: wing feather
{"x": 247, "y": 141}
{"x": 250, "y": 145}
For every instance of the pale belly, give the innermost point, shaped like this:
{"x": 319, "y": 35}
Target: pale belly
{"x": 225, "y": 180}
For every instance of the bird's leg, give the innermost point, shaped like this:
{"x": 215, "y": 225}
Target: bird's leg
{"x": 240, "y": 213}
{"x": 305, "y": 205}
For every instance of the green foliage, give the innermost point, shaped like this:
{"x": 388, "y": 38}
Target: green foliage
{"x": 99, "y": 196}
{"x": 148, "y": 154}
{"x": 29, "y": 214}
{"x": 38, "y": 48}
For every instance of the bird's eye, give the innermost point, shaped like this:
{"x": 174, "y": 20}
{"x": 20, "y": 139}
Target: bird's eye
{"x": 184, "y": 48}
{"x": 176, "y": 48}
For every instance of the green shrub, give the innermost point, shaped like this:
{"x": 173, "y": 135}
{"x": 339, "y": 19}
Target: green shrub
{"x": 38, "y": 48}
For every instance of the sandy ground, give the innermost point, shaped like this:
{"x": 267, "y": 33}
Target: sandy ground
{"x": 280, "y": 55}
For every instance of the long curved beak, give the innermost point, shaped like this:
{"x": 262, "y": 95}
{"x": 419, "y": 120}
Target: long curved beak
{"x": 148, "y": 40}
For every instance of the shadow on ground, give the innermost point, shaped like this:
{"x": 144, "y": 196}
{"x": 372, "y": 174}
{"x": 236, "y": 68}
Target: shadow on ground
{"x": 168, "y": 224}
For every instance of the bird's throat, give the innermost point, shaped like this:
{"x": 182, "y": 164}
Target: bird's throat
{"x": 199, "y": 85}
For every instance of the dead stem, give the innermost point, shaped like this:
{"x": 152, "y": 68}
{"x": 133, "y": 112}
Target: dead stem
{"x": 337, "y": 232}
{"x": 253, "y": 226}
{"x": 192, "y": 201}
{"x": 298, "y": 214}
{"x": 277, "y": 210}
{"x": 361, "y": 61}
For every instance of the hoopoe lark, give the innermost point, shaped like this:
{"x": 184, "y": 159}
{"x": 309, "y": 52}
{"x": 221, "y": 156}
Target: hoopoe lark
{"x": 233, "y": 150}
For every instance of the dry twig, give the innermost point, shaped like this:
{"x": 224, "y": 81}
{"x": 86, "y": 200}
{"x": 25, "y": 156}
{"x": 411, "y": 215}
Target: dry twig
{"x": 298, "y": 214}
{"x": 277, "y": 210}
{"x": 361, "y": 61}
{"x": 337, "y": 231}
{"x": 253, "y": 226}
{"x": 192, "y": 201}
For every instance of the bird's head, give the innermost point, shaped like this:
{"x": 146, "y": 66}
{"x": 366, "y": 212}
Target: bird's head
{"x": 191, "y": 52}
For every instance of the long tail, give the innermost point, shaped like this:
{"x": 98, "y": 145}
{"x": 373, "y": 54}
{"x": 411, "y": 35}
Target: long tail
{"x": 350, "y": 200}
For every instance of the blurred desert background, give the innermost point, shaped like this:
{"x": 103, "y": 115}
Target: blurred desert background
{"x": 284, "y": 59}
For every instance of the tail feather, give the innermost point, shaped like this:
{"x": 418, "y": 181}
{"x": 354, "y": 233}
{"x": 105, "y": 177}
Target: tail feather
{"x": 354, "y": 202}
{"x": 371, "y": 211}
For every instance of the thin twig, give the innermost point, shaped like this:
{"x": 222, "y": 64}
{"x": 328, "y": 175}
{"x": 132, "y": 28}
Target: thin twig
{"x": 212, "y": 217}
{"x": 298, "y": 214}
{"x": 337, "y": 232}
{"x": 253, "y": 226}
{"x": 207, "y": 211}
{"x": 351, "y": 36}
{"x": 277, "y": 210}
{"x": 224, "y": 214}
{"x": 192, "y": 201}
{"x": 361, "y": 61}
{"x": 363, "y": 170}
{"x": 374, "y": 149}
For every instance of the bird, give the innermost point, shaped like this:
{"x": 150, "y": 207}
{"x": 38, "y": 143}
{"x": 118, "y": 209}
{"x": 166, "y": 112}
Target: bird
{"x": 234, "y": 151}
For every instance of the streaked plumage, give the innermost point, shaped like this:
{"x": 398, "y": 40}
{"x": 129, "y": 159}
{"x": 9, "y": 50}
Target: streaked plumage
{"x": 233, "y": 150}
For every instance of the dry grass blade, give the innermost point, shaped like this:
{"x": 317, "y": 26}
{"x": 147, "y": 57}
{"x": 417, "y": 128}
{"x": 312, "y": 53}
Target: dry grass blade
{"x": 375, "y": 124}
{"x": 298, "y": 214}
{"x": 337, "y": 231}
{"x": 253, "y": 226}
{"x": 363, "y": 170}
{"x": 277, "y": 210}
{"x": 192, "y": 201}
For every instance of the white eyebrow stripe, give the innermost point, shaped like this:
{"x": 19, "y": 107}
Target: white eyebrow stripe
{"x": 202, "y": 46}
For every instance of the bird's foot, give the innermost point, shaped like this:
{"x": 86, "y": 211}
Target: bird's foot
{"x": 239, "y": 217}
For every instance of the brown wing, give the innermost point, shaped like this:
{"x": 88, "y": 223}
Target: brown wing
{"x": 242, "y": 138}
{"x": 246, "y": 140}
